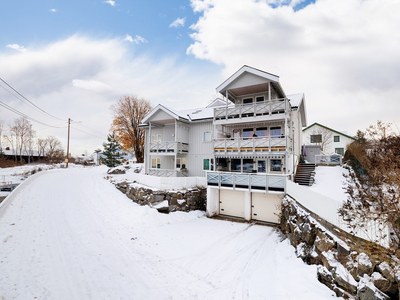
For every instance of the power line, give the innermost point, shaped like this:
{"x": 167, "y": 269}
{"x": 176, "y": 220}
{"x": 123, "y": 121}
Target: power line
{"x": 37, "y": 107}
{"x": 92, "y": 129}
{"x": 88, "y": 133}
{"x": 24, "y": 115}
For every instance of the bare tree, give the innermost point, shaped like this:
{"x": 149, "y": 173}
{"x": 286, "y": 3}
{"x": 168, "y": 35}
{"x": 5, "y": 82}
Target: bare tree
{"x": 128, "y": 114}
{"x": 41, "y": 147}
{"x": 322, "y": 137}
{"x": 54, "y": 150}
{"x": 374, "y": 194}
{"x": 20, "y": 129}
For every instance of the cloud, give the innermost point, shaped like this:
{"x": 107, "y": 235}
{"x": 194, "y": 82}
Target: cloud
{"x": 111, "y": 2}
{"x": 128, "y": 38}
{"x": 16, "y": 47}
{"x": 344, "y": 55}
{"x": 81, "y": 77}
{"x": 92, "y": 85}
{"x": 53, "y": 10}
{"x": 178, "y": 23}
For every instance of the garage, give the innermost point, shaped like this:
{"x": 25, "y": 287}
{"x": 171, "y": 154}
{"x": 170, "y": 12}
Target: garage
{"x": 231, "y": 203}
{"x": 265, "y": 207}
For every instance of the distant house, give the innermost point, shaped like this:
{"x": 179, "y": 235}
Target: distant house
{"x": 330, "y": 140}
{"x": 125, "y": 156}
{"x": 26, "y": 155}
{"x": 85, "y": 159}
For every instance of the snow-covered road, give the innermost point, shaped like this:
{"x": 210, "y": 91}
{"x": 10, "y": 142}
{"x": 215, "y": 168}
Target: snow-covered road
{"x": 69, "y": 234}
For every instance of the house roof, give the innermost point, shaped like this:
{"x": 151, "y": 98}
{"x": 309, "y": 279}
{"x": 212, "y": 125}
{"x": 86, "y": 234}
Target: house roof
{"x": 333, "y": 130}
{"x": 274, "y": 79}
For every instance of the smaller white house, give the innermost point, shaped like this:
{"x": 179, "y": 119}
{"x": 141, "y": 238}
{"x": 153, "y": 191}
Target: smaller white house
{"x": 331, "y": 141}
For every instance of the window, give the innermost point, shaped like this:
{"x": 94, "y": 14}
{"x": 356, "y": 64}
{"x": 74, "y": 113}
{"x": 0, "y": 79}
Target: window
{"x": 316, "y": 138}
{"x": 336, "y": 138}
{"x": 183, "y": 159}
{"x": 248, "y": 133}
{"x": 178, "y": 163}
{"x": 261, "y": 166}
{"x": 276, "y": 132}
{"x": 156, "y": 163}
{"x": 247, "y": 101}
{"x": 276, "y": 165}
{"x": 260, "y": 99}
{"x": 262, "y": 132}
{"x": 207, "y": 136}
{"x": 236, "y": 165}
{"x": 339, "y": 151}
{"x": 247, "y": 165}
{"x": 156, "y": 138}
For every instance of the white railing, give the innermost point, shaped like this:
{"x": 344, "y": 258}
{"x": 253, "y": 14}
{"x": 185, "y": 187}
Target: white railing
{"x": 173, "y": 147}
{"x": 330, "y": 160}
{"x": 251, "y": 144}
{"x": 167, "y": 173}
{"x": 266, "y": 182}
{"x": 246, "y": 110}
{"x": 327, "y": 208}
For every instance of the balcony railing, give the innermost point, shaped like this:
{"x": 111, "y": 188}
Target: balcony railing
{"x": 265, "y": 182}
{"x": 168, "y": 173}
{"x": 329, "y": 160}
{"x": 256, "y": 144}
{"x": 250, "y": 110}
{"x": 173, "y": 147}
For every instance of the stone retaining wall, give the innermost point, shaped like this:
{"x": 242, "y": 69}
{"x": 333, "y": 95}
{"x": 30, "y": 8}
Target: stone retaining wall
{"x": 166, "y": 201}
{"x": 352, "y": 267}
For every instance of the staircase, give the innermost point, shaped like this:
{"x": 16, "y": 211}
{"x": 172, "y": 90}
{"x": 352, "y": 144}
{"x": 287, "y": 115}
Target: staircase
{"x": 305, "y": 174}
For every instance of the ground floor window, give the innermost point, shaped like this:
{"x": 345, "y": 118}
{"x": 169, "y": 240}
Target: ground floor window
{"x": 276, "y": 165}
{"x": 236, "y": 165}
{"x": 247, "y": 165}
{"x": 156, "y": 163}
{"x": 208, "y": 164}
{"x": 262, "y": 166}
{"x": 339, "y": 151}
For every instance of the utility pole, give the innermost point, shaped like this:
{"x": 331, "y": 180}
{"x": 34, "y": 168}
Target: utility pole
{"x": 69, "y": 123}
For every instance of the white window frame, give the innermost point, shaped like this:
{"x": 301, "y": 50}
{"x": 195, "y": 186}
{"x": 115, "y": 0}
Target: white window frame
{"x": 204, "y": 137}
{"x": 157, "y": 160}
{"x": 156, "y": 138}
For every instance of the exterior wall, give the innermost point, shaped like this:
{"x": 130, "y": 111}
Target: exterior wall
{"x": 331, "y": 145}
{"x": 183, "y": 132}
{"x": 161, "y": 115}
{"x": 198, "y": 150}
{"x": 146, "y": 149}
{"x": 247, "y": 79}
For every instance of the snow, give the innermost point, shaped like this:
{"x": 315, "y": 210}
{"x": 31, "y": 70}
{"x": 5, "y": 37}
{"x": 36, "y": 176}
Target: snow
{"x": 70, "y": 234}
{"x": 363, "y": 259}
{"x": 329, "y": 181}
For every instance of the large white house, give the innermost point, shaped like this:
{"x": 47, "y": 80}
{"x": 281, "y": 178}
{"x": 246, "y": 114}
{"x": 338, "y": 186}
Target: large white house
{"x": 247, "y": 144}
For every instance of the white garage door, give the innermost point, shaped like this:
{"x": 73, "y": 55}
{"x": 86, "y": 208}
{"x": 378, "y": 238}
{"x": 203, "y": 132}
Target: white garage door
{"x": 265, "y": 207}
{"x": 231, "y": 203}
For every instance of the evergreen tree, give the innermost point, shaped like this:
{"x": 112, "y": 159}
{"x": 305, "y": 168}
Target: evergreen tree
{"x": 111, "y": 151}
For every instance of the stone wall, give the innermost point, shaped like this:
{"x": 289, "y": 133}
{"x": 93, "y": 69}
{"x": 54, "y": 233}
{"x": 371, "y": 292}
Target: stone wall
{"x": 352, "y": 267}
{"x": 165, "y": 201}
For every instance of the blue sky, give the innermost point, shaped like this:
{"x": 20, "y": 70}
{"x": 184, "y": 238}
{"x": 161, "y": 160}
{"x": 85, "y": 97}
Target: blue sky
{"x": 76, "y": 58}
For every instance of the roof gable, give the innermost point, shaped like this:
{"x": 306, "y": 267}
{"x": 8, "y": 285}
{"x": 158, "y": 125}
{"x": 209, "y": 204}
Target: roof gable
{"x": 333, "y": 130}
{"x": 160, "y": 112}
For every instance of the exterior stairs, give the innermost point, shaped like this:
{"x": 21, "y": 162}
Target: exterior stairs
{"x": 305, "y": 174}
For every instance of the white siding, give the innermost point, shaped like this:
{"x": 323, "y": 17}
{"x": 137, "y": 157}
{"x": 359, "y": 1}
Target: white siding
{"x": 198, "y": 150}
{"x": 247, "y": 79}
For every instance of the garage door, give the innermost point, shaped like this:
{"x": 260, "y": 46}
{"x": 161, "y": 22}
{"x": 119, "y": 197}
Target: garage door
{"x": 231, "y": 203}
{"x": 265, "y": 207}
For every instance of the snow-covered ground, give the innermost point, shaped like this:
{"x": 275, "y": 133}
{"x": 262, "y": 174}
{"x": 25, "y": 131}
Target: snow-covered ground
{"x": 329, "y": 181}
{"x": 69, "y": 234}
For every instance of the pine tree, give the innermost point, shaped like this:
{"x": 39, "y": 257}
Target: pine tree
{"x": 111, "y": 151}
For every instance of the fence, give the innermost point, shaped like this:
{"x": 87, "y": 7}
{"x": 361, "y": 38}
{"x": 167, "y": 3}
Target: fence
{"x": 330, "y": 160}
{"x": 169, "y": 183}
{"x": 327, "y": 209}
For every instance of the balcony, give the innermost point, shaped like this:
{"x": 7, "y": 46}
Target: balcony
{"x": 169, "y": 147}
{"x": 256, "y": 144}
{"x": 279, "y": 106}
{"x": 264, "y": 182}
{"x": 168, "y": 173}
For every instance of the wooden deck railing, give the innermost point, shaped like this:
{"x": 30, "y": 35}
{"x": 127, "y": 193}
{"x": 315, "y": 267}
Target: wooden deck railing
{"x": 173, "y": 147}
{"x": 256, "y": 144}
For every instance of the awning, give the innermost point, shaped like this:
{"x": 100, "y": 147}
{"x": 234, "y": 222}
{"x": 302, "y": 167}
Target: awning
{"x": 250, "y": 155}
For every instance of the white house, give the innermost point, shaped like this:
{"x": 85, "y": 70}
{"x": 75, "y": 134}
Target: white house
{"x": 330, "y": 140}
{"x": 247, "y": 144}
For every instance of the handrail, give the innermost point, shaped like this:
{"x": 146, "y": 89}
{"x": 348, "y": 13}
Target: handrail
{"x": 229, "y": 144}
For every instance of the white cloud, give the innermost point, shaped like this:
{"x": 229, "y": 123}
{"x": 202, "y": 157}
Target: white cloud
{"x": 138, "y": 39}
{"x": 128, "y": 38}
{"x": 178, "y": 23}
{"x": 80, "y": 78}
{"x": 53, "y": 10}
{"x": 92, "y": 85}
{"x": 343, "y": 54}
{"x": 111, "y": 2}
{"x": 16, "y": 47}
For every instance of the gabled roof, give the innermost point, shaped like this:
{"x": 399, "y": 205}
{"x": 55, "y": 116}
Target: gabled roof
{"x": 159, "y": 107}
{"x": 274, "y": 79}
{"x": 217, "y": 102}
{"x": 333, "y": 130}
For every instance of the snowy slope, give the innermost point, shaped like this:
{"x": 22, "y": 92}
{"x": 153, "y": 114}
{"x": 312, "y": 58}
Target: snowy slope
{"x": 69, "y": 234}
